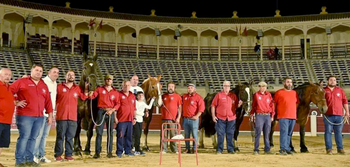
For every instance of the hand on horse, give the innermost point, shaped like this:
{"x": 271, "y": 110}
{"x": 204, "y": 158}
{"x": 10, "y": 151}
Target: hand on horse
{"x": 133, "y": 122}
{"x": 116, "y": 120}
{"x": 91, "y": 93}
{"x": 271, "y": 119}
{"x": 146, "y": 114}
{"x": 240, "y": 103}
{"x": 21, "y": 103}
{"x": 215, "y": 119}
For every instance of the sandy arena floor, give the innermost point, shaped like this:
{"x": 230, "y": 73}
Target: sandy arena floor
{"x": 207, "y": 156}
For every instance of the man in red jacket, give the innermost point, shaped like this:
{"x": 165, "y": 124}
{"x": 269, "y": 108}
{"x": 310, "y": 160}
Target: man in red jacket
{"x": 336, "y": 102}
{"x": 29, "y": 116}
{"x": 7, "y": 107}
{"x": 67, "y": 114}
{"x": 263, "y": 110}
{"x": 108, "y": 103}
{"x": 125, "y": 120}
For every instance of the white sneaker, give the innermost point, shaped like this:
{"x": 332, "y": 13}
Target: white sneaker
{"x": 36, "y": 160}
{"x": 133, "y": 149}
{"x": 136, "y": 153}
{"x": 178, "y": 137}
{"x": 46, "y": 160}
{"x": 163, "y": 152}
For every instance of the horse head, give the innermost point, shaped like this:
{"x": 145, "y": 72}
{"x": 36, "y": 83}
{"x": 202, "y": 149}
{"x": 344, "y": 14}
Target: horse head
{"x": 316, "y": 94}
{"x": 152, "y": 88}
{"x": 244, "y": 92}
{"x": 89, "y": 74}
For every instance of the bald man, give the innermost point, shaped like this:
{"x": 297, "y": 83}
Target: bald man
{"x": 134, "y": 88}
{"x": 7, "y": 107}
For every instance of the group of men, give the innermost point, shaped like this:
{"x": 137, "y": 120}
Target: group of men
{"x": 37, "y": 100}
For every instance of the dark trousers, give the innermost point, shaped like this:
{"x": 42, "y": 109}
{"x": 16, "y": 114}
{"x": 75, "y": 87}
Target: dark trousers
{"x": 221, "y": 128}
{"x": 124, "y": 134}
{"x": 65, "y": 132}
{"x": 137, "y": 135}
{"x": 262, "y": 123}
{"x": 109, "y": 121}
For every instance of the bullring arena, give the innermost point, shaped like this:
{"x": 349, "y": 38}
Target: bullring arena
{"x": 183, "y": 50}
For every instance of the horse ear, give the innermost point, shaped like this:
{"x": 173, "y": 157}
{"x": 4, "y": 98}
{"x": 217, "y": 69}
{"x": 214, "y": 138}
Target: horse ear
{"x": 85, "y": 56}
{"x": 149, "y": 76}
{"x": 95, "y": 57}
{"x": 159, "y": 77}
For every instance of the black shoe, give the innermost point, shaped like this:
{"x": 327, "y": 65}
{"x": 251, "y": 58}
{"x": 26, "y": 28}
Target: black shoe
{"x": 109, "y": 155}
{"x": 96, "y": 156}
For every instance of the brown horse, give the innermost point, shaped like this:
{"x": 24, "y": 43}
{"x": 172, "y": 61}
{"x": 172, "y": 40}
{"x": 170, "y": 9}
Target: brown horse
{"x": 85, "y": 108}
{"x": 152, "y": 88}
{"x": 307, "y": 93}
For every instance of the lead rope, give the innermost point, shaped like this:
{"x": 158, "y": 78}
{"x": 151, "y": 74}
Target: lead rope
{"x": 336, "y": 124}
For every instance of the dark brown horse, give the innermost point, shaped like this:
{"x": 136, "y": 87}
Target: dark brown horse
{"x": 85, "y": 108}
{"x": 151, "y": 88}
{"x": 244, "y": 92}
{"x": 307, "y": 93}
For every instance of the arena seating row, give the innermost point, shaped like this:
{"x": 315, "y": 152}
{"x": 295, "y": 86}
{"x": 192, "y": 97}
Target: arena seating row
{"x": 211, "y": 73}
{"x": 58, "y": 44}
{"x": 338, "y": 67}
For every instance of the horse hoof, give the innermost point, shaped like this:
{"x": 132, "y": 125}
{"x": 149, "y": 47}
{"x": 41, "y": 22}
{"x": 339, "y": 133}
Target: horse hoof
{"x": 146, "y": 148}
{"x": 304, "y": 151}
{"x": 87, "y": 152}
{"x": 237, "y": 149}
{"x": 201, "y": 146}
{"x": 77, "y": 153}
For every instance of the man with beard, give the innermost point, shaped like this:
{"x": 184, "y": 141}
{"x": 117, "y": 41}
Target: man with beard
{"x": 29, "y": 115}
{"x": 125, "y": 120}
{"x": 108, "y": 103}
{"x": 193, "y": 107}
{"x": 39, "y": 151}
{"x": 223, "y": 111}
{"x": 336, "y": 101}
{"x": 66, "y": 117}
{"x": 171, "y": 112}
{"x": 286, "y": 101}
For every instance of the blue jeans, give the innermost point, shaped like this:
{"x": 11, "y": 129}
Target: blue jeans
{"x": 286, "y": 131}
{"x": 109, "y": 120}
{"x": 190, "y": 126}
{"x": 28, "y": 128}
{"x": 221, "y": 128}
{"x": 336, "y": 119}
{"x": 262, "y": 122}
{"x": 124, "y": 133}
{"x": 40, "y": 144}
{"x": 65, "y": 130}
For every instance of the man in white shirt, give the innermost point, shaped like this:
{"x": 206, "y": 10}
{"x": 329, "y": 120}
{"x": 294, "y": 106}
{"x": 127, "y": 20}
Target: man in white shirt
{"x": 134, "y": 81}
{"x": 39, "y": 151}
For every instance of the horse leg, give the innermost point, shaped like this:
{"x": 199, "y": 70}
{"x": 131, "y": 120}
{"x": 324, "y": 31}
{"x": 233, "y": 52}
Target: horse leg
{"x": 273, "y": 125}
{"x": 89, "y": 135}
{"x": 201, "y": 135}
{"x": 146, "y": 130}
{"x": 303, "y": 147}
{"x": 239, "y": 120}
{"x": 214, "y": 140}
{"x": 77, "y": 146}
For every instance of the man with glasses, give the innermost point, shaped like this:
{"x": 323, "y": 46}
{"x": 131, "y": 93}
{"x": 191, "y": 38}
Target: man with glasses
{"x": 223, "y": 110}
